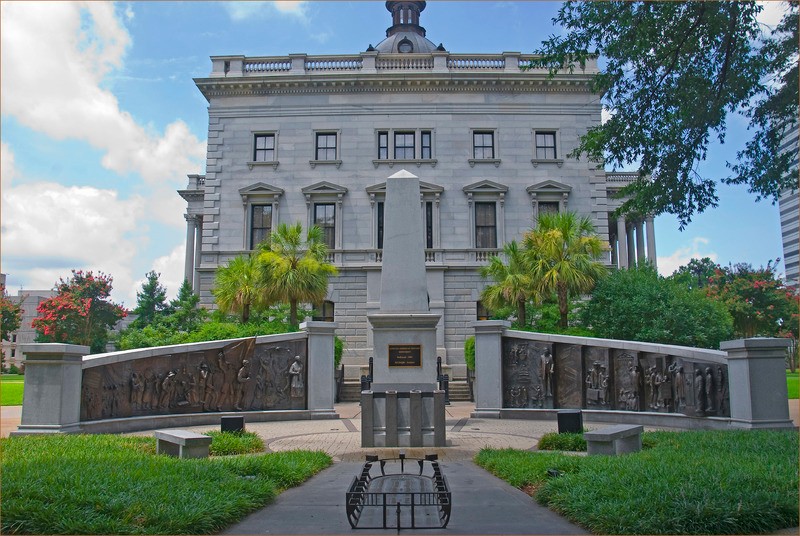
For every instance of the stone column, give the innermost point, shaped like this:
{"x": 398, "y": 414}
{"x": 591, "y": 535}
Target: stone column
{"x": 622, "y": 247}
{"x": 640, "y": 254}
{"x": 198, "y": 250}
{"x": 188, "y": 270}
{"x": 629, "y": 235}
{"x": 52, "y": 399}
{"x": 489, "y": 367}
{"x": 321, "y": 389}
{"x": 651, "y": 240}
{"x": 757, "y": 382}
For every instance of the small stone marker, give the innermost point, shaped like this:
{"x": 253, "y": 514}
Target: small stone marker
{"x": 570, "y": 421}
{"x": 233, "y": 423}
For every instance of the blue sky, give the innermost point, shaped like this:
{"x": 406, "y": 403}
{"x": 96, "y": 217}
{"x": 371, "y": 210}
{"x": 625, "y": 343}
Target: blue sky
{"x": 101, "y": 123}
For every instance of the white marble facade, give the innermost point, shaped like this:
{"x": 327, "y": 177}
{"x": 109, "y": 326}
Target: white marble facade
{"x": 300, "y": 136}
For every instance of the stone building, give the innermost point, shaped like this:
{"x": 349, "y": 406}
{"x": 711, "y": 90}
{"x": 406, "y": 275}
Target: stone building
{"x": 29, "y": 300}
{"x": 312, "y": 138}
{"x": 790, "y": 218}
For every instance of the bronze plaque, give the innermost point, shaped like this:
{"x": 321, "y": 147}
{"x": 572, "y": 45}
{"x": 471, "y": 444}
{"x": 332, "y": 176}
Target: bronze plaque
{"x": 405, "y": 355}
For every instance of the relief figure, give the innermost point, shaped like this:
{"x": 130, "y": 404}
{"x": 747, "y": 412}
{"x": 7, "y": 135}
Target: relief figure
{"x": 296, "y": 378}
{"x": 242, "y": 377}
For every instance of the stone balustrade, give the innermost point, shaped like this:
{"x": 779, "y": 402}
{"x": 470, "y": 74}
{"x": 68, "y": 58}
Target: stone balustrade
{"x": 372, "y": 62}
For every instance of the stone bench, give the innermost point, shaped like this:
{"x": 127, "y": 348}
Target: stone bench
{"x": 182, "y": 443}
{"x": 614, "y": 440}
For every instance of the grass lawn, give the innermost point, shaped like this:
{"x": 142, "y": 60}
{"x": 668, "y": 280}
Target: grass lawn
{"x": 11, "y": 386}
{"x": 732, "y": 482}
{"x": 792, "y": 384}
{"x": 105, "y": 484}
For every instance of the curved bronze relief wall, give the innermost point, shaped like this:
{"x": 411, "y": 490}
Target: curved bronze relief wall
{"x": 240, "y": 376}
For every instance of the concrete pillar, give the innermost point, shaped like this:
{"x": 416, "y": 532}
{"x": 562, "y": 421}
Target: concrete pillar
{"x": 367, "y": 419}
{"x": 52, "y": 399}
{"x": 321, "y": 383}
{"x": 651, "y": 240}
{"x": 640, "y": 254}
{"x": 198, "y": 249}
{"x": 489, "y": 367}
{"x": 188, "y": 271}
{"x": 622, "y": 248}
{"x": 757, "y": 382}
{"x": 631, "y": 246}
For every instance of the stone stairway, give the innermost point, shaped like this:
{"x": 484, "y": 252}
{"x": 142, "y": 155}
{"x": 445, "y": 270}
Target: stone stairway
{"x": 351, "y": 391}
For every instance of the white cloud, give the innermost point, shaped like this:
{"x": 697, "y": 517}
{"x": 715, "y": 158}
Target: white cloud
{"x": 49, "y": 229}
{"x": 61, "y": 93}
{"x": 697, "y": 249}
{"x": 171, "y": 268}
{"x": 241, "y": 11}
{"x": 772, "y": 13}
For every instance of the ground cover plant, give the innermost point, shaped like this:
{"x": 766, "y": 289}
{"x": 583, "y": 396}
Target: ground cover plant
{"x": 104, "y": 484}
{"x": 11, "y": 389}
{"x": 226, "y": 443}
{"x": 792, "y": 384}
{"x": 732, "y": 482}
{"x": 573, "y": 442}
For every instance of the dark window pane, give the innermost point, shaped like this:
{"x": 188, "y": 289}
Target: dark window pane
{"x": 326, "y": 146}
{"x": 429, "y": 224}
{"x": 404, "y": 145}
{"x": 264, "y": 148}
{"x": 483, "y": 145}
{"x": 485, "y": 225}
{"x": 380, "y": 225}
{"x": 383, "y": 145}
{"x": 548, "y": 208}
{"x": 427, "y": 149}
{"x": 325, "y": 219}
{"x": 260, "y": 224}
{"x": 546, "y": 145}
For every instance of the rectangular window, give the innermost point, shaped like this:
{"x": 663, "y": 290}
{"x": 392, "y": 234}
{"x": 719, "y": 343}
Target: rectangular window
{"x": 545, "y": 145}
{"x": 325, "y": 311}
{"x": 485, "y": 226}
{"x": 404, "y": 145}
{"x": 325, "y": 219}
{"x": 380, "y": 225}
{"x": 264, "y": 148}
{"x": 548, "y": 207}
{"x": 429, "y": 224}
{"x": 426, "y": 140}
{"x": 260, "y": 224}
{"x": 483, "y": 145}
{"x": 383, "y": 145}
{"x": 326, "y": 146}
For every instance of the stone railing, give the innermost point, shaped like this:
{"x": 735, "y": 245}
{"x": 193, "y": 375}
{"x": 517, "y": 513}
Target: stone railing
{"x": 373, "y": 62}
{"x": 533, "y": 375}
{"x": 343, "y": 258}
{"x": 621, "y": 177}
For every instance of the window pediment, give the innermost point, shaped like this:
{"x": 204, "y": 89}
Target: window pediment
{"x": 424, "y": 188}
{"x": 485, "y": 187}
{"x": 549, "y": 187}
{"x": 324, "y": 188}
{"x": 260, "y": 189}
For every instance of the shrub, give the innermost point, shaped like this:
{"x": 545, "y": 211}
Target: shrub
{"x": 469, "y": 353}
{"x": 338, "y": 350}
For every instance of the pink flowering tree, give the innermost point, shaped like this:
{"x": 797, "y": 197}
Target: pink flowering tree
{"x": 80, "y": 312}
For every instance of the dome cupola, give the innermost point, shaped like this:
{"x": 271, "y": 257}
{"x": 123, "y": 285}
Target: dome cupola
{"x": 405, "y": 35}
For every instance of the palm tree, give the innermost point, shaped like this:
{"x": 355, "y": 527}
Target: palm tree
{"x": 240, "y": 286}
{"x": 295, "y": 270}
{"x": 513, "y": 284}
{"x": 563, "y": 252}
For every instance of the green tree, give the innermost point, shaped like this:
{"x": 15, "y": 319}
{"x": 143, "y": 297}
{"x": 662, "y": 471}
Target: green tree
{"x": 239, "y": 286}
{"x": 696, "y": 273}
{"x": 10, "y": 315}
{"x": 295, "y": 270}
{"x": 151, "y": 301}
{"x": 563, "y": 254}
{"x": 639, "y": 305}
{"x": 187, "y": 315}
{"x": 759, "y": 302}
{"x": 80, "y": 312}
{"x": 672, "y": 73}
{"x": 512, "y": 286}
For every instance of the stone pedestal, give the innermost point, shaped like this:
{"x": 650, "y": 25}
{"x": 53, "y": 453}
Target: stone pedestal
{"x": 321, "y": 382}
{"x": 403, "y": 419}
{"x": 489, "y": 367}
{"x": 757, "y": 380}
{"x": 409, "y": 330}
{"x": 52, "y": 399}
